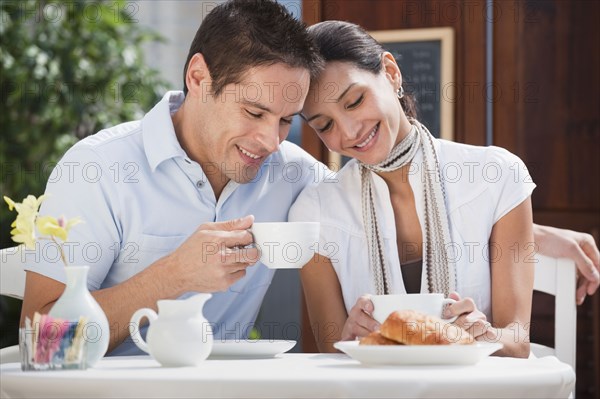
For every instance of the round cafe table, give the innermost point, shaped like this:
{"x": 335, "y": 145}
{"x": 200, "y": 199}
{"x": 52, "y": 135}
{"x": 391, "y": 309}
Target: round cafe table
{"x": 294, "y": 375}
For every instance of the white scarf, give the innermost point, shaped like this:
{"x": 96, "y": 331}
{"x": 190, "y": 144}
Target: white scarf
{"x": 441, "y": 274}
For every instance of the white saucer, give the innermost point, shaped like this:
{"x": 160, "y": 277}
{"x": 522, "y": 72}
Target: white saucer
{"x": 250, "y": 349}
{"x": 417, "y": 354}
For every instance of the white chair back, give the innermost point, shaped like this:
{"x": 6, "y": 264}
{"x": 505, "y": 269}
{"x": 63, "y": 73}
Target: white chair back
{"x": 12, "y": 283}
{"x": 10, "y": 354}
{"x": 12, "y": 273}
{"x": 558, "y": 277}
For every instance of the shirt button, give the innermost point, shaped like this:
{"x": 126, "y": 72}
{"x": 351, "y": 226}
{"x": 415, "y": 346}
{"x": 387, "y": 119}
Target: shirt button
{"x": 199, "y": 184}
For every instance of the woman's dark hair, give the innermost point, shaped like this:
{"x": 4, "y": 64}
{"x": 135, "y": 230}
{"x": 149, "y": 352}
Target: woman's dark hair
{"x": 347, "y": 42}
{"x": 240, "y": 34}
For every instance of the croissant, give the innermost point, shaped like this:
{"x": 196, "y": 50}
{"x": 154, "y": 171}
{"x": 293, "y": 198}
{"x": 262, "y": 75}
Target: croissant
{"x": 414, "y": 328}
{"x": 375, "y": 338}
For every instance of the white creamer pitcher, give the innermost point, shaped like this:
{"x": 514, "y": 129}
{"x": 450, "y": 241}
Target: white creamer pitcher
{"x": 178, "y": 335}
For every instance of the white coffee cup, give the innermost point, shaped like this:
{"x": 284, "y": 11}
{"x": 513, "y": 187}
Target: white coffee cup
{"x": 286, "y": 245}
{"x": 431, "y": 304}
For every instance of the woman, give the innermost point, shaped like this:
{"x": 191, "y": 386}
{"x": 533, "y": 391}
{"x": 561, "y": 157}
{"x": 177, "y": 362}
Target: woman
{"x": 410, "y": 213}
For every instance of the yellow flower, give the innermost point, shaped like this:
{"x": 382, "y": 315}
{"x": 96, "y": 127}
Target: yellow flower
{"x": 23, "y": 232}
{"x": 23, "y": 227}
{"x": 29, "y": 204}
{"x": 28, "y": 219}
{"x": 11, "y": 203}
{"x": 52, "y": 226}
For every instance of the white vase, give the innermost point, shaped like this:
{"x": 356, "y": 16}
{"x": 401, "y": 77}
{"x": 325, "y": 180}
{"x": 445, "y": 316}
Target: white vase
{"x": 76, "y": 301}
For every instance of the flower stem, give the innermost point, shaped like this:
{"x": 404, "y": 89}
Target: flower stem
{"x": 62, "y": 253}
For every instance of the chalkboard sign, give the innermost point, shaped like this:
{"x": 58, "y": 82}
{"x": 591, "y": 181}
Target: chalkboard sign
{"x": 420, "y": 66}
{"x": 426, "y": 60}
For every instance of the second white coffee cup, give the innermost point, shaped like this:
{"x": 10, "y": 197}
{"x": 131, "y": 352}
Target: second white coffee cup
{"x": 431, "y": 304}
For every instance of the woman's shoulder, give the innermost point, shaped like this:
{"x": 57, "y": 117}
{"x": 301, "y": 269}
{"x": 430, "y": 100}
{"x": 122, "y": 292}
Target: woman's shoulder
{"x": 468, "y": 171}
{"x": 350, "y": 171}
{"x": 451, "y": 152}
{"x": 476, "y": 167}
{"x": 333, "y": 200}
{"x": 346, "y": 180}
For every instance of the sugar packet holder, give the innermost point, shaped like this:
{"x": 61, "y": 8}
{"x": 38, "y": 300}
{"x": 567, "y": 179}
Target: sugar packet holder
{"x": 48, "y": 343}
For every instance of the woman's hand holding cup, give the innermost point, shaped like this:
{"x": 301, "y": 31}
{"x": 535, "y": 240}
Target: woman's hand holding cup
{"x": 469, "y": 317}
{"x": 360, "y": 321}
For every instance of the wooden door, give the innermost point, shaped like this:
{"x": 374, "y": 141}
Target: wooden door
{"x": 547, "y": 66}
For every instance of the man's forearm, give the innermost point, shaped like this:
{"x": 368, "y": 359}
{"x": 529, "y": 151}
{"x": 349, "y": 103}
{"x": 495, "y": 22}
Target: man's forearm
{"x": 140, "y": 291}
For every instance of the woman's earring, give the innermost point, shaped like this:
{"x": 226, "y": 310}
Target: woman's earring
{"x": 400, "y": 92}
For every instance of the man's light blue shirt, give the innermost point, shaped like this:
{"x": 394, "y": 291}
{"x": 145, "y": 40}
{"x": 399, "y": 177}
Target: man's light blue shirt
{"x": 141, "y": 196}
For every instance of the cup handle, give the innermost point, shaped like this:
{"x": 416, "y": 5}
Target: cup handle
{"x": 134, "y": 327}
{"x": 446, "y": 302}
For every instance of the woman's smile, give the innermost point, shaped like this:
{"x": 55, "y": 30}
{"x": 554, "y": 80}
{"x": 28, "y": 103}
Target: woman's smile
{"x": 368, "y": 142}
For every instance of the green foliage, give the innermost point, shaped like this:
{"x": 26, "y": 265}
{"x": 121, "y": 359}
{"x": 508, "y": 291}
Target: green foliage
{"x": 67, "y": 70}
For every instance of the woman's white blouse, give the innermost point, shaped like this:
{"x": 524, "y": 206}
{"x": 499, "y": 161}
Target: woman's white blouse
{"x": 482, "y": 184}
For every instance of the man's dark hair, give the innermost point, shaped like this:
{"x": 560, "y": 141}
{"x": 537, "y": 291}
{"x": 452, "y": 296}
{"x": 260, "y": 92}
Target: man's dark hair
{"x": 241, "y": 34}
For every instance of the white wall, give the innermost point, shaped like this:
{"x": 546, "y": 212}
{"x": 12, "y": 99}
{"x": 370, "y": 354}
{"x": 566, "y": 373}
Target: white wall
{"x": 177, "y": 21}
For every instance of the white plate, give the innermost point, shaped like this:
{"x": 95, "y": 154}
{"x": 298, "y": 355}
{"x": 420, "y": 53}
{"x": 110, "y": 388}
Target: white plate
{"x": 250, "y": 349}
{"x": 417, "y": 354}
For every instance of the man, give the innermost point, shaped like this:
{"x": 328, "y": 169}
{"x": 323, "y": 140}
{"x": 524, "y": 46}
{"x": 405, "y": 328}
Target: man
{"x": 167, "y": 200}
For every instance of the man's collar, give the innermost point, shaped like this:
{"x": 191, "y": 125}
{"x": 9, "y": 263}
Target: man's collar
{"x": 160, "y": 140}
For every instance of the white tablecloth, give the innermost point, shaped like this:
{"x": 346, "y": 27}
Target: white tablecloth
{"x": 295, "y": 375}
